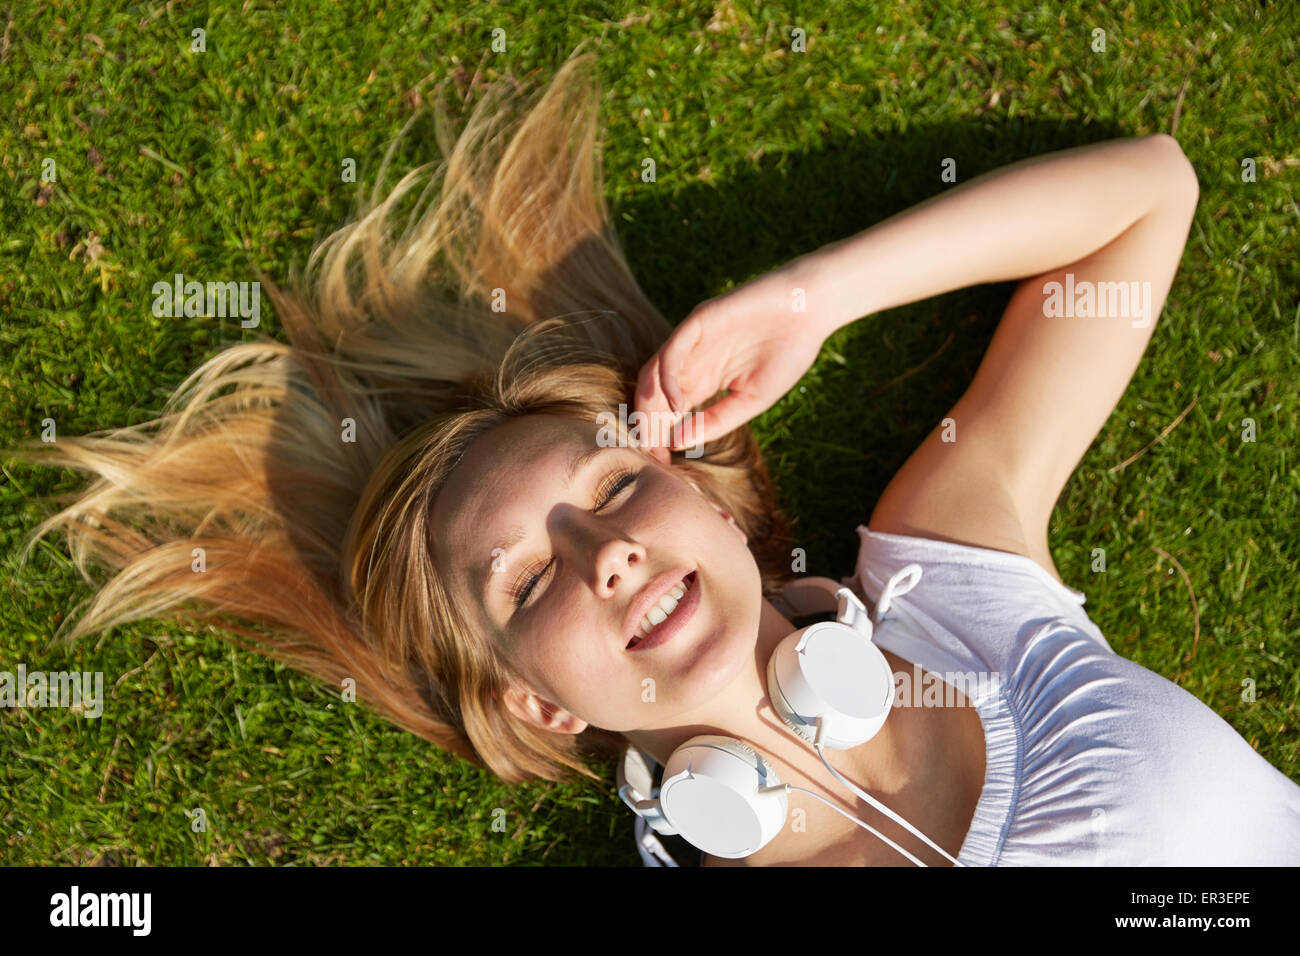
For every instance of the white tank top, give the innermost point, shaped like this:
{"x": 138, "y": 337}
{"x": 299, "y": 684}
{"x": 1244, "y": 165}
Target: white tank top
{"x": 1091, "y": 758}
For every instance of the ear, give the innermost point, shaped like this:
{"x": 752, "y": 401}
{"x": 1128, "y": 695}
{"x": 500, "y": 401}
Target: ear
{"x": 716, "y": 507}
{"x": 734, "y": 527}
{"x": 534, "y": 709}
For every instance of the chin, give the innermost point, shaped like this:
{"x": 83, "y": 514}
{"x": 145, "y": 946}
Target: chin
{"x": 725, "y": 661}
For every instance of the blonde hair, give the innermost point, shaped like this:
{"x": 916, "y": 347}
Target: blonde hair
{"x": 305, "y": 472}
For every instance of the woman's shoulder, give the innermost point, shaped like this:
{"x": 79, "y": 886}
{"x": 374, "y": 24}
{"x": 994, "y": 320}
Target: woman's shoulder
{"x": 963, "y": 573}
{"x": 970, "y": 607}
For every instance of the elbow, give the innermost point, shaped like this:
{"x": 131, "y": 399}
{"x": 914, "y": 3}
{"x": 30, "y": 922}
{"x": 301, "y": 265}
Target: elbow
{"x": 1176, "y": 169}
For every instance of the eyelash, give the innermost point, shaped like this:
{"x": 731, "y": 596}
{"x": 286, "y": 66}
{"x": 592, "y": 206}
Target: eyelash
{"x": 613, "y": 486}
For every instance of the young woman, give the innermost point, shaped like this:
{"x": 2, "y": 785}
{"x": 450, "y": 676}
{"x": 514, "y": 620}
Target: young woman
{"x": 1080, "y": 756}
{"x": 422, "y": 494}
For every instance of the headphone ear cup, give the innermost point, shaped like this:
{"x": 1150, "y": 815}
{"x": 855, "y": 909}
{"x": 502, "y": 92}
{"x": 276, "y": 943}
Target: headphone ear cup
{"x": 710, "y": 795}
{"x": 831, "y": 671}
{"x": 780, "y": 705}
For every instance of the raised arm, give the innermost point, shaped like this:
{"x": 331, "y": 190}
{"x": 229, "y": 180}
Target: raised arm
{"x": 1086, "y": 219}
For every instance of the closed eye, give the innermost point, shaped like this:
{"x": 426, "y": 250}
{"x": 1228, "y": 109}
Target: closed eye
{"x": 612, "y": 487}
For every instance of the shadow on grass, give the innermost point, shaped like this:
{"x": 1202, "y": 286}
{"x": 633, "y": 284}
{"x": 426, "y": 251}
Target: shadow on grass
{"x": 833, "y": 448}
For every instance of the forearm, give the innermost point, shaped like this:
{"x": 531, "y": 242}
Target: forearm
{"x": 1018, "y": 221}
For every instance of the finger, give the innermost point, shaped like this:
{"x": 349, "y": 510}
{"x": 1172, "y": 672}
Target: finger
{"x": 713, "y": 422}
{"x": 673, "y": 359}
{"x": 649, "y": 395}
{"x": 652, "y": 405}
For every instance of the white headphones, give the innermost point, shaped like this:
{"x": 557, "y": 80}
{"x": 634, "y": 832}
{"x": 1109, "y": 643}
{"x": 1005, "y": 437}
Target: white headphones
{"x": 831, "y": 686}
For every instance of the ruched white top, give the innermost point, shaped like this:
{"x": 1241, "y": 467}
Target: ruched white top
{"x": 1092, "y": 760}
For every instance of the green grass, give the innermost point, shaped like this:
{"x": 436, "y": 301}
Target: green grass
{"x": 190, "y": 162}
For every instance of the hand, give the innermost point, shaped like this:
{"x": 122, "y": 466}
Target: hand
{"x": 750, "y": 341}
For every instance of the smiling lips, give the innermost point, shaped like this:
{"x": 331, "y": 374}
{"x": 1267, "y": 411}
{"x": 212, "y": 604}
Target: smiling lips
{"x": 649, "y": 632}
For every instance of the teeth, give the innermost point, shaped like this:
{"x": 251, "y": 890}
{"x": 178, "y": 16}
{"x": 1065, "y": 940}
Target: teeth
{"x": 659, "y": 613}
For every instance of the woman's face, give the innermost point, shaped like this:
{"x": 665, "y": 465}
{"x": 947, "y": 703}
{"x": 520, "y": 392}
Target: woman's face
{"x": 560, "y": 597}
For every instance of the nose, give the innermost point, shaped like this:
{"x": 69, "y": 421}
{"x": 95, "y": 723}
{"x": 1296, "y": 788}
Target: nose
{"x": 604, "y": 553}
{"x": 614, "y": 559}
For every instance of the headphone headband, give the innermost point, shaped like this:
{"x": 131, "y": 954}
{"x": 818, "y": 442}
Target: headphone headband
{"x": 828, "y": 682}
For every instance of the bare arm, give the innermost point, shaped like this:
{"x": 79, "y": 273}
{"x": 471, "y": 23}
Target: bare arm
{"x": 1113, "y": 212}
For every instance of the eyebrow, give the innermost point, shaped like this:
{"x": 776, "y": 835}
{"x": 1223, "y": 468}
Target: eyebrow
{"x": 516, "y": 534}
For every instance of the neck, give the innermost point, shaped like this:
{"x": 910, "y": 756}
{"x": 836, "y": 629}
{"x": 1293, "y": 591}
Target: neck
{"x": 744, "y": 710}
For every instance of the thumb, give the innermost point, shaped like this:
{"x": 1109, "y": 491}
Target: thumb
{"x": 717, "y": 420}
{"x": 650, "y": 397}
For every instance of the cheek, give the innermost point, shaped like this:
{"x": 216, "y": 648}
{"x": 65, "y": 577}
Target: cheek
{"x": 559, "y": 640}
{"x": 670, "y": 501}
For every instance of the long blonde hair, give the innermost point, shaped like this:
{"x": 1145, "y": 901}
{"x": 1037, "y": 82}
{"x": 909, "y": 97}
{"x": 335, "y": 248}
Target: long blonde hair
{"x": 284, "y": 495}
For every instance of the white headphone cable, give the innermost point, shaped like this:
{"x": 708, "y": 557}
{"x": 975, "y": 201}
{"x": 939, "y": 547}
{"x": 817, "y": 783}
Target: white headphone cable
{"x": 843, "y": 812}
{"x": 817, "y": 745}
